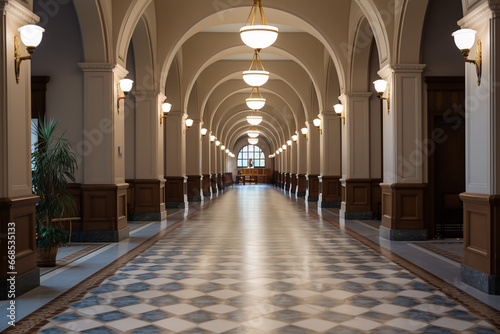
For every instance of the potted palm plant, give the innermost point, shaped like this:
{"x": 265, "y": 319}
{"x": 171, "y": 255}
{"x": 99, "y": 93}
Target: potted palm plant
{"x": 54, "y": 163}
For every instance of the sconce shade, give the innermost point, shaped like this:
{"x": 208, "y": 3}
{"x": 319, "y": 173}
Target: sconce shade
{"x": 204, "y": 131}
{"x": 304, "y": 131}
{"x": 212, "y": 138}
{"x": 253, "y": 134}
{"x": 253, "y": 141}
{"x": 338, "y": 108}
{"x": 284, "y": 147}
{"x": 217, "y": 143}
{"x": 259, "y": 36}
{"x": 464, "y": 38}
{"x": 126, "y": 85}
{"x": 227, "y": 150}
{"x": 189, "y": 122}
{"x": 380, "y": 85}
{"x": 289, "y": 142}
{"x": 256, "y": 78}
{"x": 255, "y": 103}
{"x": 254, "y": 120}
{"x": 281, "y": 149}
{"x": 166, "y": 107}
{"x": 295, "y": 137}
{"x": 317, "y": 122}
{"x": 223, "y": 148}
{"x": 31, "y": 35}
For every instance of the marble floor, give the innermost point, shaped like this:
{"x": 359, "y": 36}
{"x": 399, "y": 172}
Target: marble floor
{"x": 254, "y": 261}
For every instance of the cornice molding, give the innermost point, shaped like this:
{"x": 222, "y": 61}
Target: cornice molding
{"x": 96, "y": 67}
{"x": 20, "y": 12}
{"x": 364, "y": 95}
{"x": 483, "y": 12}
{"x": 414, "y": 68}
{"x": 146, "y": 93}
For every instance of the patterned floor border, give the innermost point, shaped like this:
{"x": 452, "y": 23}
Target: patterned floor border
{"x": 72, "y": 257}
{"x": 432, "y": 247}
{"x": 36, "y": 320}
{"x": 472, "y": 304}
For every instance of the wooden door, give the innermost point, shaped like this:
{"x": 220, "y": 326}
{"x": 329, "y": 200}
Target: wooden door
{"x": 446, "y": 150}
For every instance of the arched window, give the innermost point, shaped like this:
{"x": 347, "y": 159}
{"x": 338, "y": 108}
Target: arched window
{"x": 251, "y": 152}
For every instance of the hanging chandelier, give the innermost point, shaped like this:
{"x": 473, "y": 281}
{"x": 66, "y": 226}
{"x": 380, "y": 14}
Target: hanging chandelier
{"x": 254, "y": 120}
{"x": 253, "y": 141}
{"x": 253, "y": 133}
{"x": 256, "y": 76}
{"x": 258, "y": 36}
{"x": 256, "y": 103}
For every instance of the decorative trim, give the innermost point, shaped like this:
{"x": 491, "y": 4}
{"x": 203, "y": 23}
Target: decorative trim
{"x": 120, "y": 71}
{"x": 96, "y": 67}
{"x": 18, "y": 11}
{"x": 146, "y": 93}
{"x": 412, "y": 68}
{"x": 482, "y": 12}
{"x": 358, "y": 95}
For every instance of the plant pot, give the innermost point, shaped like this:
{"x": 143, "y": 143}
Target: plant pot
{"x": 46, "y": 257}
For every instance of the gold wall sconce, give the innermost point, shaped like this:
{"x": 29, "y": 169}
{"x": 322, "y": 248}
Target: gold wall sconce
{"x": 304, "y": 132}
{"x": 317, "y": 124}
{"x": 339, "y": 110}
{"x": 381, "y": 86}
{"x": 464, "y": 40}
{"x": 165, "y": 107}
{"x": 126, "y": 86}
{"x": 31, "y": 36}
{"x": 295, "y": 137}
{"x": 204, "y": 131}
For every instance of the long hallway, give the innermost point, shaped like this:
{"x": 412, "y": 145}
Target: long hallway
{"x": 254, "y": 262}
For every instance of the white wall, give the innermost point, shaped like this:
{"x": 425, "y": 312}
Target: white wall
{"x": 130, "y": 134}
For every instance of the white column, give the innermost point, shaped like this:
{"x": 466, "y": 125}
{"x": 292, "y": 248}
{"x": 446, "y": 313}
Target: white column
{"x": 206, "y": 161}
{"x": 176, "y": 144}
{"x": 330, "y": 145}
{"x": 193, "y": 151}
{"x": 149, "y": 135}
{"x": 313, "y": 150}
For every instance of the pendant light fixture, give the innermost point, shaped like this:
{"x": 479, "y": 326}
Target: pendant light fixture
{"x": 258, "y": 36}
{"x": 256, "y": 76}
{"x": 256, "y": 103}
{"x": 254, "y": 120}
{"x": 253, "y": 133}
{"x": 253, "y": 141}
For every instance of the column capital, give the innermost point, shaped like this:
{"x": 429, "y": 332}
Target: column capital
{"x": 357, "y": 95}
{"x": 386, "y": 71}
{"x": 104, "y": 67}
{"x": 146, "y": 93}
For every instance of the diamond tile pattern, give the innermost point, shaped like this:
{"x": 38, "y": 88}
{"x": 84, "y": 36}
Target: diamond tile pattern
{"x": 254, "y": 263}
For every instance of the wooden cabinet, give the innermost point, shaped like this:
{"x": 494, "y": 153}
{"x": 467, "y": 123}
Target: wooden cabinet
{"x": 255, "y": 175}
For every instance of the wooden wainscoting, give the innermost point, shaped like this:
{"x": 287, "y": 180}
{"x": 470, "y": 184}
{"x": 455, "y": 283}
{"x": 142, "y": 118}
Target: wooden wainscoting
{"x": 255, "y": 175}
{"x": 175, "y": 191}
{"x": 403, "y": 206}
{"x": 20, "y": 211}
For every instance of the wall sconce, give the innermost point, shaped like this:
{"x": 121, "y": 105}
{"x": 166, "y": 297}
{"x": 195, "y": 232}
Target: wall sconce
{"x": 317, "y": 124}
{"x": 31, "y": 35}
{"x": 165, "y": 107}
{"x": 204, "y": 131}
{"x": 222, "y": 148}
{"x": 217, "y": 143}
{"x": 284, "y": 147}
{"x": 304, "y": 132}
{"x": 289, "y": 142}
{"x": 339, "y": 110}
{"x": 126, "y": 86}
{"x": 212, "y": 138}
{"x": 227, "y": 151}
{"x": 381, "y": 86}
{"x": 189, "y": 123}
{"x": 464, "y": 40}
{"x": 295, "y": 137}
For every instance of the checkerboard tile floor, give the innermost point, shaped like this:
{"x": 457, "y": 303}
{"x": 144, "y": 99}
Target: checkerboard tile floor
{"x": 254, "y": 263}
